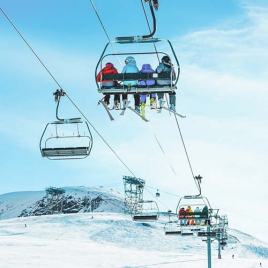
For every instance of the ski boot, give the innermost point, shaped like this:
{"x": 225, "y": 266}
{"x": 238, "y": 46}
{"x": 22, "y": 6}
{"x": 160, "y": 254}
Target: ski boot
{"x": 117, "y": 105}
{"x": 160, "y": 102}
{"x": 137, "y": 109}
{"x": 172, "y": 107}
{"x": 124, "y": 104}
{"x": 153, "y": 103}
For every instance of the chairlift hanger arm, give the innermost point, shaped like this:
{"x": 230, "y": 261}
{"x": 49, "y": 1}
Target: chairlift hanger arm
{"x": 58, "y": 94}
{"x": 131, "y": 38}
{"x": 198, "y": 179}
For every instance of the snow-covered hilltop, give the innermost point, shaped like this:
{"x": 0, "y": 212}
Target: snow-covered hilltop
{"x": 95, "y": 233}
{"x": 63, "y": 200}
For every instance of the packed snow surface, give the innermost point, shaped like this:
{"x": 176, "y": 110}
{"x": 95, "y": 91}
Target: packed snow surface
{"x": 112, "y": 239}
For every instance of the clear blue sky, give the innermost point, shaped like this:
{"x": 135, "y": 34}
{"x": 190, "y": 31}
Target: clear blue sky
{"x": 222, "y": 49}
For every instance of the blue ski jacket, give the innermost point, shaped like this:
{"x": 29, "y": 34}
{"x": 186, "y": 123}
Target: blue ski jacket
{"x": 130, "y": 67}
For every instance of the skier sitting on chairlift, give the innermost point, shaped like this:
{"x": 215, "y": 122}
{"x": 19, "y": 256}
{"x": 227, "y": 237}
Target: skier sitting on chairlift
{"x": 182, "y": 216}
{"x": 146, "y": 68}
{"x": 131, "y": 67}
{"x": 166, "y": 66}
{"x": 109, "y": 69}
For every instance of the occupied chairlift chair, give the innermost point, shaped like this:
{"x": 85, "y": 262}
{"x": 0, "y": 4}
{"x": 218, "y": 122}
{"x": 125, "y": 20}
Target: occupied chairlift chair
{"x": 202, "y": 218}
{"x": 120, "y": 88}
{"x": 66, "y": 147}
{"x": 174, "y": 227}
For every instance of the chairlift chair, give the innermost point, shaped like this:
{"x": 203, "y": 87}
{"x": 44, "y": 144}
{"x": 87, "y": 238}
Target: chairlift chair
{"x": 65, "y": 139}
{"x": 120, "y": 88}
{"x": 194, "y": 201}
{"x": 59, "y": 146}
{"x": 144, "y": 214}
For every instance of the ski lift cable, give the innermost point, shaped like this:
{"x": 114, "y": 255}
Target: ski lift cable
{"x": 100, "y": 135}
{"x": 159, "y": 61}
{"x": 30, "y": 47}
{"x": 162, "y": 149}
{"x": 165, "y": 94}
{"x": 65, "y": 92}
{"x": 145, "y": 187}
{"x": 186, "y": 152}
{"x": 121, "y": 65}
{"x": 105, "y": 30}
{"x": 163, "y": 191}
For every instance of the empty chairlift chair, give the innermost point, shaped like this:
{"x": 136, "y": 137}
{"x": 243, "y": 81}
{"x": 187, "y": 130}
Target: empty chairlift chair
{"x": 172, "y": 227}
{"x": 145, "y": 211}
{"x": 67, "y": 140}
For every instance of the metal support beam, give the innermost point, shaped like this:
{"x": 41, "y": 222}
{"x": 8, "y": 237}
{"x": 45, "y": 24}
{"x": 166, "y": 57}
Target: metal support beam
{"x": 209, "y": 246}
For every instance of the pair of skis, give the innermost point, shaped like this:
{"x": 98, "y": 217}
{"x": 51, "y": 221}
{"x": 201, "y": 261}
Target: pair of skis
{"x": 123, "y": 111}
{"x": 159, "y": 110}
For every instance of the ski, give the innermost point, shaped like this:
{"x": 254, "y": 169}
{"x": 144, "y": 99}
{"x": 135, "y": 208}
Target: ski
{"x": 182, "y": 116}
{"x": 143, "y": 118}
{"x": 123, "y": 112}
{"x": 107, "y": 109}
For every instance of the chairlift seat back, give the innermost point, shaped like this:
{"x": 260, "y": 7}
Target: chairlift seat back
{"x": 137, "y": 88}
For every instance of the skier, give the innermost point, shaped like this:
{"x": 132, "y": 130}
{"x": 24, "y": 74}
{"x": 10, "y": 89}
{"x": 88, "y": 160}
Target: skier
{"x": 166, "y": 66}
{"x": 190, "y": 215}
{"x": 197, "y": 210}
{"x": 205, "y": 214}
{"x": 109, "y": 69}
{"x": 146, "y": 68}
{"x": 131, "y": 67}
{"x": 182, "y": 216}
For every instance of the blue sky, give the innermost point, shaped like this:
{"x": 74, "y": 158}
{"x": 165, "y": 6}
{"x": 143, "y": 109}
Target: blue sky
{"x": 222, "y": 50}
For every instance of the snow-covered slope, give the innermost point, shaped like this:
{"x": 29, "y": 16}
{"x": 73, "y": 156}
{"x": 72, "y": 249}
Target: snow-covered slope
{"x": 102, "y": 239}
{"x": 105, "y": 237}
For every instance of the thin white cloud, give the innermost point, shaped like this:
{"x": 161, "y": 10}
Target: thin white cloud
{"x": 237, "y": 48}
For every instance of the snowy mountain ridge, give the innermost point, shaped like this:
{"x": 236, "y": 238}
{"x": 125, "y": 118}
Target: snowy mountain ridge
{"x": 63, "y": 200}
